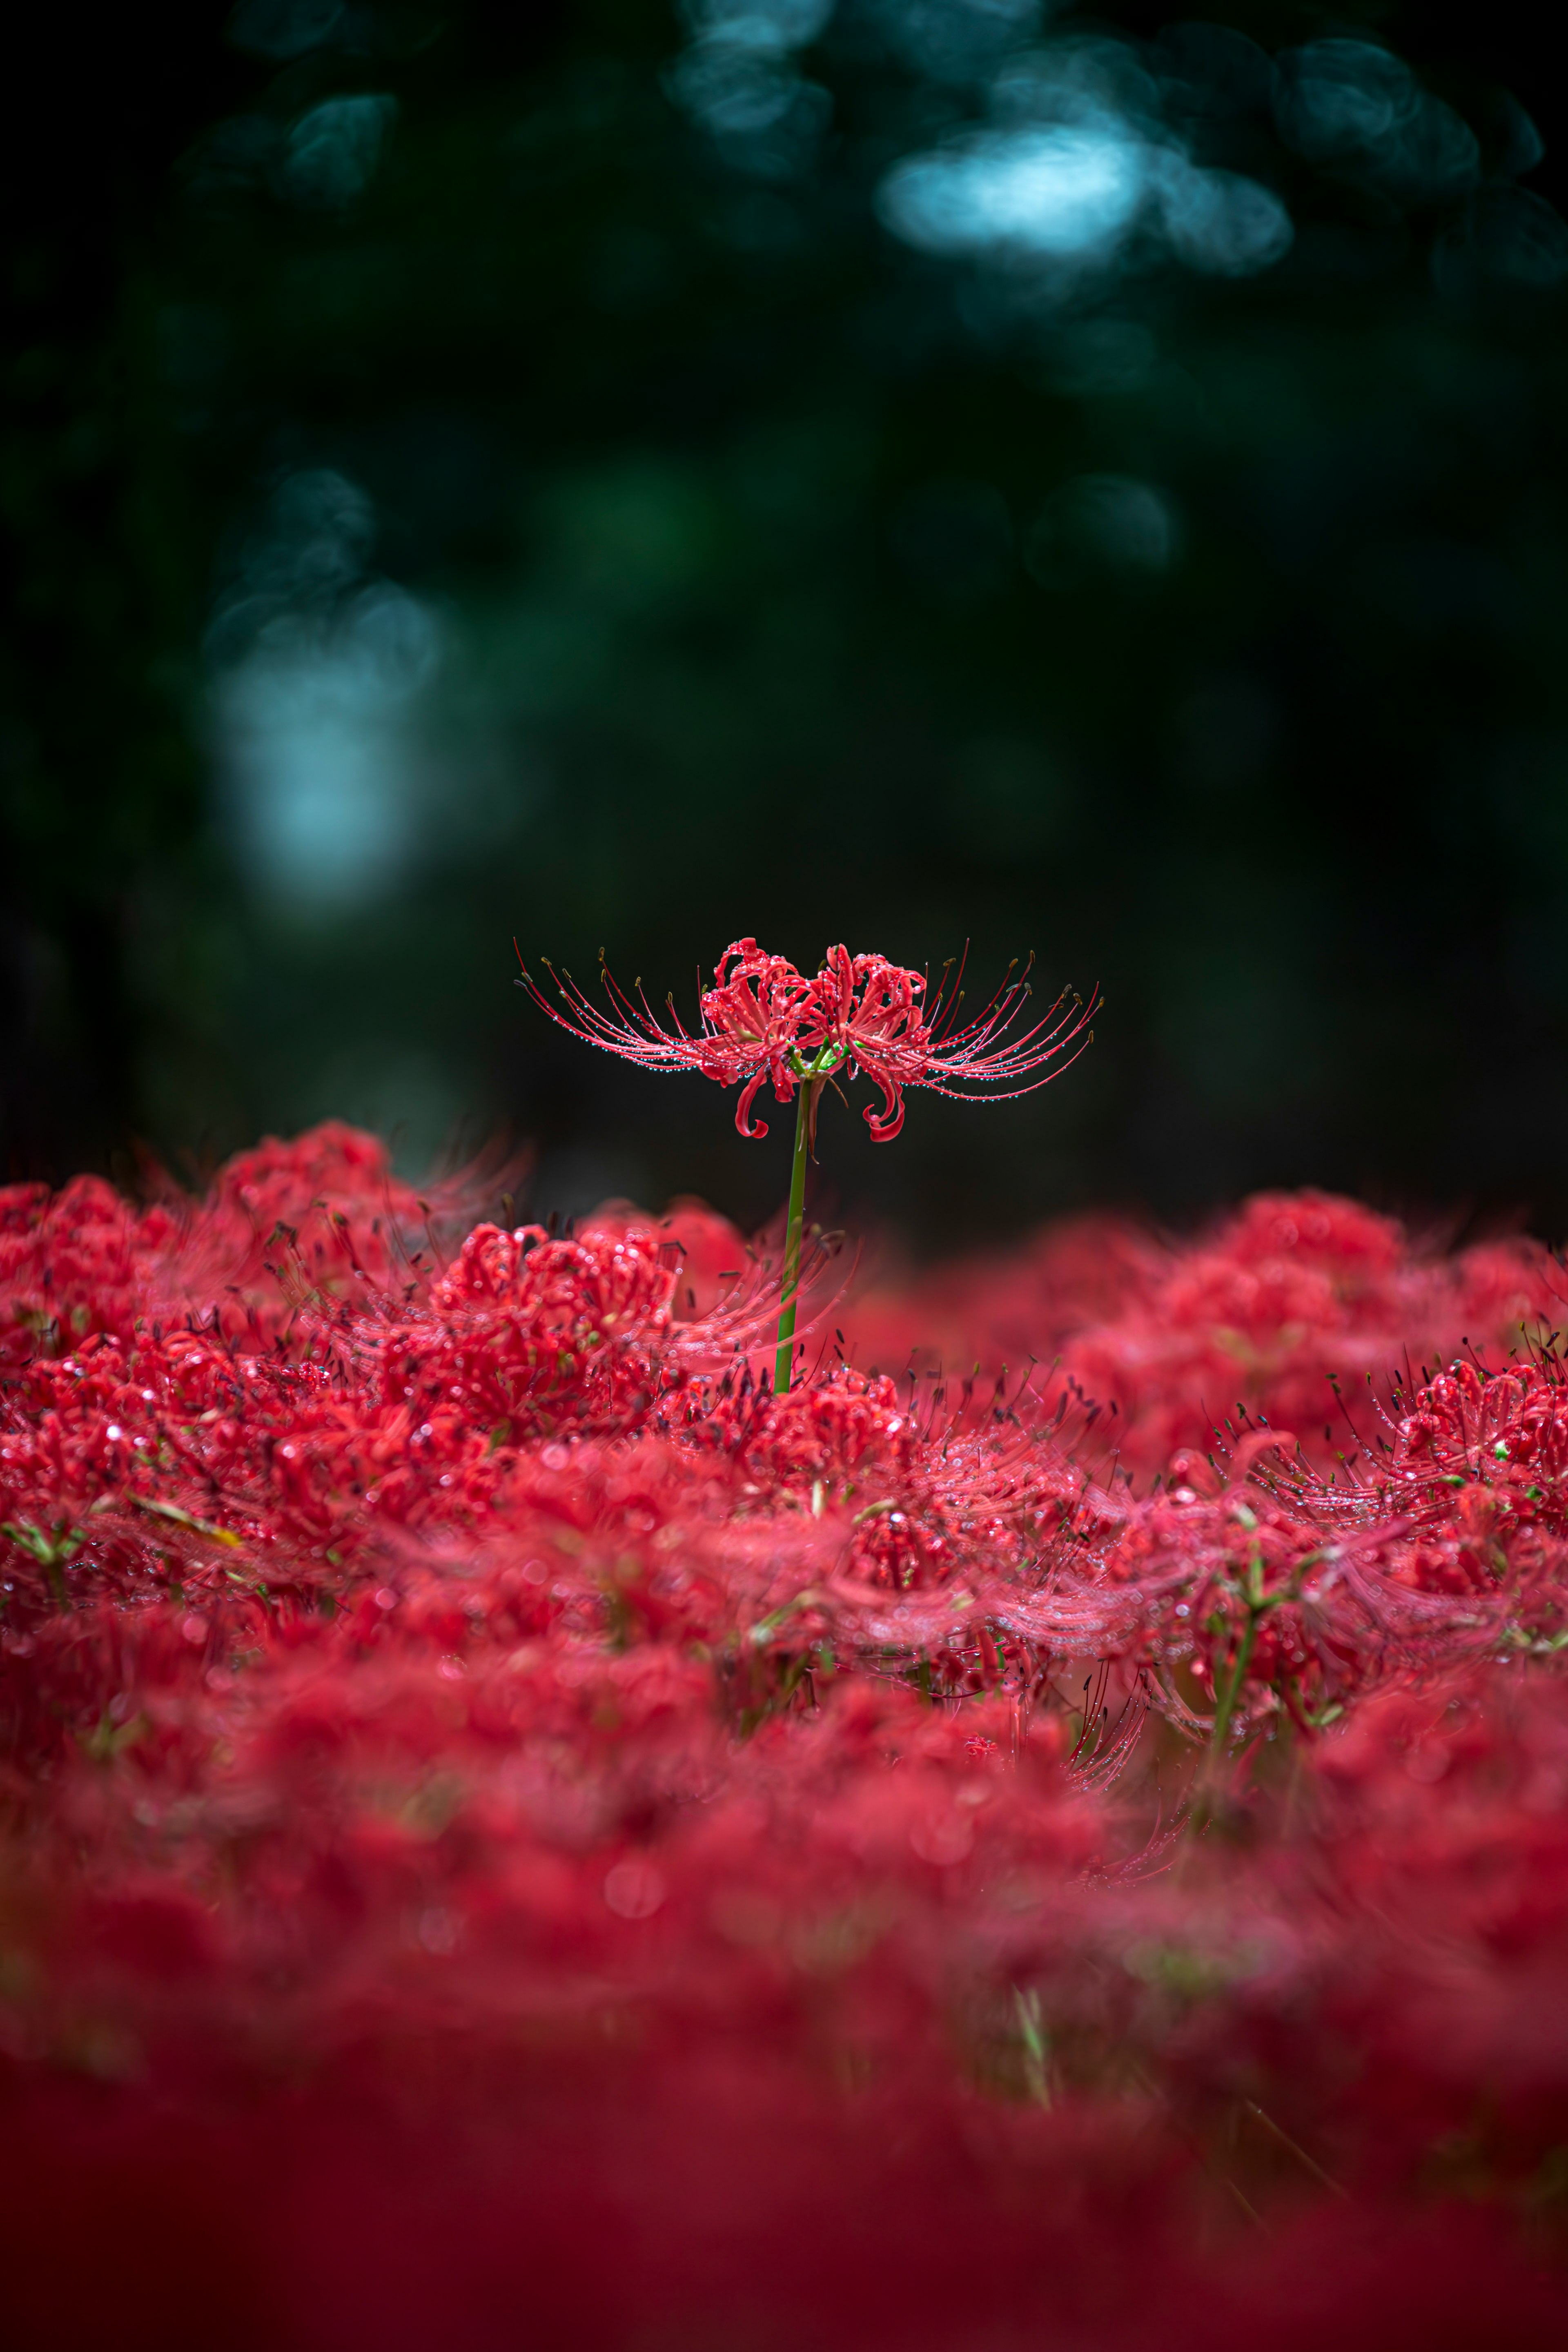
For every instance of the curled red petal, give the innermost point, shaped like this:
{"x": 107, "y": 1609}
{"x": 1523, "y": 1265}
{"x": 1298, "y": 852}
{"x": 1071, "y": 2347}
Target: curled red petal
{"x": 886, "y": 1123}
{"x": 744, "y": 1111}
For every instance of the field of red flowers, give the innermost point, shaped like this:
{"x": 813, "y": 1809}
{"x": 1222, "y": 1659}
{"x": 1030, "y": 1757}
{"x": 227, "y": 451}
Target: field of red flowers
{"x": 1052, "y": 1833}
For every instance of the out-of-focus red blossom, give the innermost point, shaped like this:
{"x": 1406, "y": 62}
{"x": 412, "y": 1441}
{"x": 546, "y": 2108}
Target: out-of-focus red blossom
{"x": 507, "y": 1825}
{"x": 1291, "y": 1288}
{"x": 326, "y": 1206}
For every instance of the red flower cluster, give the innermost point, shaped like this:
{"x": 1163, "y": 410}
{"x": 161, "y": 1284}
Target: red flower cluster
{"x": 763, "y": 1020}
{"x": 1290, "y": 1288}
{"x": 504, "y": 1813}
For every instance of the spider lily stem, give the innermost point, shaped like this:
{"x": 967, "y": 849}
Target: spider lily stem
{"x": 803, "y": 1122}
{"x": 1258, "y": 1602}
{"x": 1225, "y": 1706}
{"x": 813, "y": 1076}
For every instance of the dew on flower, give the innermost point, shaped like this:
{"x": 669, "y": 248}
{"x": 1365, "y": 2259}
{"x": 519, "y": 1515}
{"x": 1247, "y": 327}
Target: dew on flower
{"x": 633, "y": 1890}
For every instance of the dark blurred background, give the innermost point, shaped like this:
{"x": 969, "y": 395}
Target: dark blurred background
{"x": 903, "y": 471}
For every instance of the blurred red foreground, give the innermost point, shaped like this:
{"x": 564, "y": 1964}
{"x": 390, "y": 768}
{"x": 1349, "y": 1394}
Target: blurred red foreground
{"x": 514, "y": 1834}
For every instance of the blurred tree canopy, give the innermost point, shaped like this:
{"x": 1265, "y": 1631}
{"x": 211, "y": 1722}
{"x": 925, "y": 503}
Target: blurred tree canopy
{"x": 906, "y": 471}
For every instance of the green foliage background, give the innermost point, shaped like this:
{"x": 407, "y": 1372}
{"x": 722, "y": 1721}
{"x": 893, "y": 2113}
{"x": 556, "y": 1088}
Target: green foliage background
{"x": 732, "y": 516}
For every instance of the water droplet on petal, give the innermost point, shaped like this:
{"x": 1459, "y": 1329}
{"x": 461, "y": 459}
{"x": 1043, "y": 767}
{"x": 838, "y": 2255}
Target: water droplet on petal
{"x": 633, "y": 1890}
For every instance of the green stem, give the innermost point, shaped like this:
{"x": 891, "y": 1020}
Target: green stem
{"x": 783, "y": 1361}
{"x": 1226, "y": 1708}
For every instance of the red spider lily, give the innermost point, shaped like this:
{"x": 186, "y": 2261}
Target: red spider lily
{"x": 763, "y": 1019}
{"x": 867, "y": 1011}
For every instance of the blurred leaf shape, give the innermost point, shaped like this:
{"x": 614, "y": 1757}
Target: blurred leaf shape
{"x": 1102, "y": 521}
{"x": 1353, "y": 105}
{"x": 1508, "y": 236}
{"x": 955, "y": 41}
{"x": 737, "y": 80}
{"x": 330, "y": 153}
{"x": 1024, "y": 193}
{"x": 284, "y": 29}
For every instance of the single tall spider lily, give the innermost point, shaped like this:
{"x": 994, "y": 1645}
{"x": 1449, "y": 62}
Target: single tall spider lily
{"x": 764, "y": 1020}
